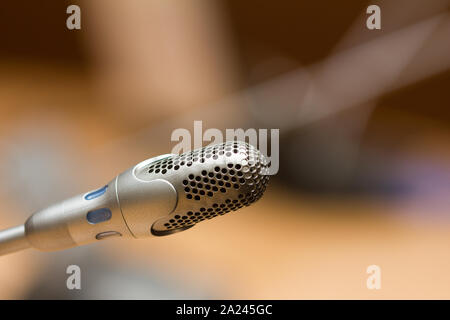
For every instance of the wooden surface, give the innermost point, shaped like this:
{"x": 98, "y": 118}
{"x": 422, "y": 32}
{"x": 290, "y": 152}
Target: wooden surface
{"x": 287, "y": 245}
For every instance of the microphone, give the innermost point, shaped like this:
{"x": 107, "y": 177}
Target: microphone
{"x": 157, "y": 197}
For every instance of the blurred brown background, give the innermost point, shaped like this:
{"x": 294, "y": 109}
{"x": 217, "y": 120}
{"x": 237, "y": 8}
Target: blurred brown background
{"x": 364, "y": 125}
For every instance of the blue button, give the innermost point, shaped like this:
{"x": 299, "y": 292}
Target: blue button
{"x": 99, "y": 215}
{"x": 96, "y": 193}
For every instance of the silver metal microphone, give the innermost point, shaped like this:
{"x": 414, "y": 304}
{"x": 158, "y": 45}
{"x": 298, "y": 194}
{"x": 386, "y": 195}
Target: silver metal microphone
{"x": 157, "y": 197}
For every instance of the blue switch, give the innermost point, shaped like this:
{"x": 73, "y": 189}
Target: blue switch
{"x": 96, "y": 193}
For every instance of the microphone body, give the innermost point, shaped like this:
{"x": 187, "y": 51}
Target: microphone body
{"x": 159, "y": 196}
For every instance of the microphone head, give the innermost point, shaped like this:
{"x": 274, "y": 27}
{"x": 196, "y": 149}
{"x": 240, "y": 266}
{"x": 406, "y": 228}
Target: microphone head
{"x": 209, "y": 182}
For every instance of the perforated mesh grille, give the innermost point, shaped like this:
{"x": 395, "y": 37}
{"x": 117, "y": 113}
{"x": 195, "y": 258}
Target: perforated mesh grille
{"x": 215, "y": 180}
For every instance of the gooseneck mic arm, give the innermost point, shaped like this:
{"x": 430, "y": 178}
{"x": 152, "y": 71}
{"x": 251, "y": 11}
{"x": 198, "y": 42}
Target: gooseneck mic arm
{"x": 13, "y": 239}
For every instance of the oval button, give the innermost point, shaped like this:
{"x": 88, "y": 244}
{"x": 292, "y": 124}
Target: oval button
{"x": 108, "y": 234}
{"x": 99, "y": 215}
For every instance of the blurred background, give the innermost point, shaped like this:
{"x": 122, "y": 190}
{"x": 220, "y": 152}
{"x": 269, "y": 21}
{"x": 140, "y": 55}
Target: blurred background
{"x": 364, "y": 119}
